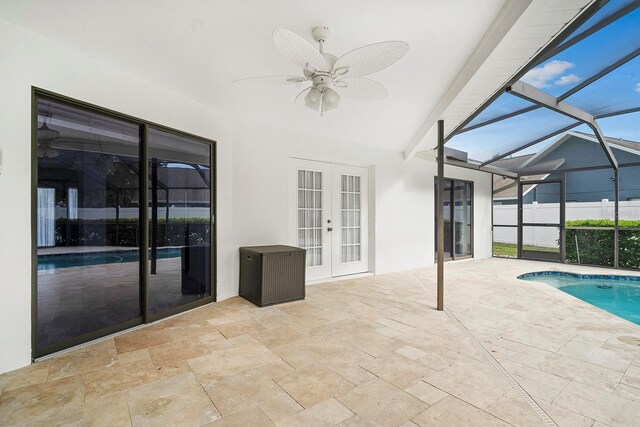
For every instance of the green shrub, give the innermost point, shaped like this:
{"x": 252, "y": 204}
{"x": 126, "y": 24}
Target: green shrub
{"x": 623, "y": 223}
{"x": 597, "y": 246}
{"x": 125, "y": 232}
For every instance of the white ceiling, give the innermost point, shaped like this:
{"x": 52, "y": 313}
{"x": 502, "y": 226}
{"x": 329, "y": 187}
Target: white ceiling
{"x": 197, "y": 47}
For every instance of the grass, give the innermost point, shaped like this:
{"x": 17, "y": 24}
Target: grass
{"x": 510, "y": 250}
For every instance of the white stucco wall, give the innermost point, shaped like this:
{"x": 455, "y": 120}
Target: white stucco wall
{"x": 252, "y": 165}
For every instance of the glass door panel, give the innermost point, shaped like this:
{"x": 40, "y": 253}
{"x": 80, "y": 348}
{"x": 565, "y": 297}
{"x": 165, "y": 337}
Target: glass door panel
{"x": 463, "y": 218}
{"x": 458, "y": 218}
{"x": 88, "y": 272}
{"x": 448, "y": 231}
{"x": 350, "y": 218}
{"x": 180, "y": 220}
{"x": 310, "y": 215}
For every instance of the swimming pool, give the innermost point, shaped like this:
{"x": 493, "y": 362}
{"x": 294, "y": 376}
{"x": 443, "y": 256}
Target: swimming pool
{"x": 51, "y": 262}
{"x": 619, "y": 295}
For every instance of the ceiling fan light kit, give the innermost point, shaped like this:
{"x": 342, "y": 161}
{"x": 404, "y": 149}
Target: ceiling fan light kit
{"x": 332, "y": 77}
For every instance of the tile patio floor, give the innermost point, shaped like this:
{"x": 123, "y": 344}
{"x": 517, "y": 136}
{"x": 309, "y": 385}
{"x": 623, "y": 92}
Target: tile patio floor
{"x": 369, "y": 351}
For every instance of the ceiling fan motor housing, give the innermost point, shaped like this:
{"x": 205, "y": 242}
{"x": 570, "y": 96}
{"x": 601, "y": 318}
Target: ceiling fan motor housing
{"x": 320, "y": 34}
{"x": 322, "y": 80}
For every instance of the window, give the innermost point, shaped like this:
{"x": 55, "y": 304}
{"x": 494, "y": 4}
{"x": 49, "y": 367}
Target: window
{"x": 46, "y": 217}
{"x": 72, "y": 203}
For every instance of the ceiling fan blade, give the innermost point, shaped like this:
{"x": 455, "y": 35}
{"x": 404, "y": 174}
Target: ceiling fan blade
{"x": 298, "y": 50}
{"x": 271, "y": 80}
{"x": 362, "y": 89}
{"x": 372, "y": 58}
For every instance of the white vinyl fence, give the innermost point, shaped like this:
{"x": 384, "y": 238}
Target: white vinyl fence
{"x": 549, "y": 213}
{"x": 110, "y": 213}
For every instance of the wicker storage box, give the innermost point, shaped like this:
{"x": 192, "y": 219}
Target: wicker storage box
{"x": 272, "y": 274}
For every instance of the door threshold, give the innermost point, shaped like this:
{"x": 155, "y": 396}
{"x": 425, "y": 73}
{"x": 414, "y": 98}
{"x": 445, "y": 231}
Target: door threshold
{"x": 338, "y": 278}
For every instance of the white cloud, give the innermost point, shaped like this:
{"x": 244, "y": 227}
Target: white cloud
{"x": 638, "y": 87}
{"x": 567, "y": 79}
{"x": 541, "y": 76}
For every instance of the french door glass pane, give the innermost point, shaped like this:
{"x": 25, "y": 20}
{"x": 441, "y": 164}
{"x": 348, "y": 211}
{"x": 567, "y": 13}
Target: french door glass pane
{"x": 310, "y": 215}
{"x": 88, "y": 236}
{"x": 350, "y": 212}
{"x": 180, "y": 220}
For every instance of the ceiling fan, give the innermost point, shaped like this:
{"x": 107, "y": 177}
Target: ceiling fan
{"x": 46, "y": 137}
{"x": 330, "y": 76}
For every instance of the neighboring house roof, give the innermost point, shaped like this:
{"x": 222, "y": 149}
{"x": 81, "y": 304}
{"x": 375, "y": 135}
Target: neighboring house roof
{"x": 512, "y": 163}
{"x": 618, "y": 143}
{"x": 506, "y": 188}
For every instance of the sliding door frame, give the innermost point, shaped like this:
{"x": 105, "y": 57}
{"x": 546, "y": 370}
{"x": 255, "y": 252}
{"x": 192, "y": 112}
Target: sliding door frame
{"x": 146, "y": 317}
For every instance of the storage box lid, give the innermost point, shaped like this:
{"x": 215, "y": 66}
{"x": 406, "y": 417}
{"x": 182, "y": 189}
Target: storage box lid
{"x": 271, "y": 249}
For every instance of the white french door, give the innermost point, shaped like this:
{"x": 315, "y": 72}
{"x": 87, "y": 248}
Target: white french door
{"x": 330, "y": 219}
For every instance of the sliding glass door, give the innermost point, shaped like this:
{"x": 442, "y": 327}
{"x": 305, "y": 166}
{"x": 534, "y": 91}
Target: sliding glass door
{"x": 463, "y": 218}
{"x": 458, "y": 218}
{"x": 100, "y": 177}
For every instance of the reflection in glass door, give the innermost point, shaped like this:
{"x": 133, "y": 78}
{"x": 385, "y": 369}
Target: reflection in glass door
{"x": 458, "y": 218}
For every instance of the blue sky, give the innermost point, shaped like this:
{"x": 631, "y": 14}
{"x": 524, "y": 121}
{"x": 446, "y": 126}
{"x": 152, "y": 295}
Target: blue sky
{"x": 616, "y": 91}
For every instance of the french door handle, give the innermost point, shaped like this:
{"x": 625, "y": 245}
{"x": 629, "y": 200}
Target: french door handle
{"x": 329, "y": 229}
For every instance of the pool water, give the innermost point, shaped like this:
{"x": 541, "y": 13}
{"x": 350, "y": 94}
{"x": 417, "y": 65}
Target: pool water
{"x": 51, "y": 262}
{"x": 619, "y": 295}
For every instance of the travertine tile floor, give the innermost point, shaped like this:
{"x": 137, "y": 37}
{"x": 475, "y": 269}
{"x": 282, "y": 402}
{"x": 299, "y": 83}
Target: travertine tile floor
{"x": 369, "y": 351}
